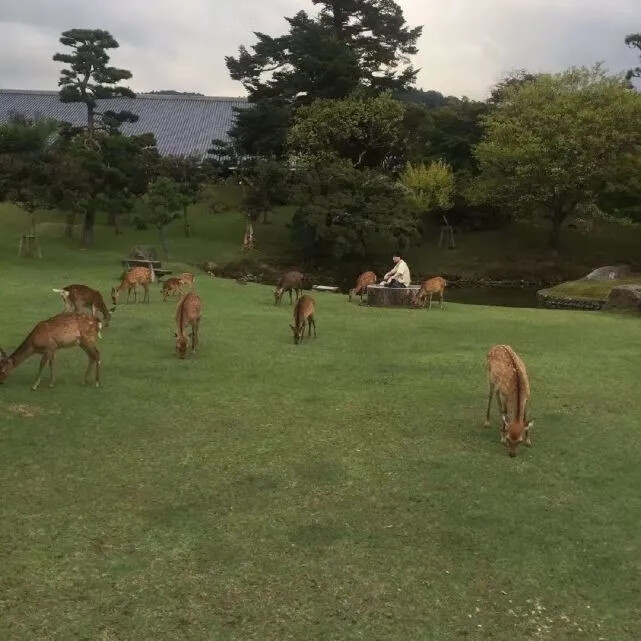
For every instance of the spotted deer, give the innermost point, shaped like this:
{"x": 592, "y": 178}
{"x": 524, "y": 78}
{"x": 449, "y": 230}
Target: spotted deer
{"x": 428, "y": 288}
{"x": 79, "y": 297}
{"x": 290, "y": 281}
{"x": 508, "y": 379}
{"x": 303, "y": 312}
{"x": 170, "y": 287}
{"x": 58, "y": 332}
{"x": 362, "y": 282}
{"x": 136, "y": 276}
{"x": 188, "y": 278}
{"x": 188, "y": 313}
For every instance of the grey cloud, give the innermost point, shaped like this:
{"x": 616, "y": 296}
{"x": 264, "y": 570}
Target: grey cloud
{"x": 466, "y": 47}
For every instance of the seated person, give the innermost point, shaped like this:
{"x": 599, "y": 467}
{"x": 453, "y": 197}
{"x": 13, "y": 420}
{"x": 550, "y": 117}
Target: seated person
{"x": 399, "y": 275}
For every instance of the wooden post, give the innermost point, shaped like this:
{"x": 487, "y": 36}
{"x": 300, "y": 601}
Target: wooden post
{"x": 248, "y": 240}
{"x": 29, "y": 246}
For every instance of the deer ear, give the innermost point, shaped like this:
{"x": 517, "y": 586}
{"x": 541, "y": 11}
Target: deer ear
{"x": 504, "y": 419}
{"x": 174, "y": 334}
{"x": 530, "y": 425}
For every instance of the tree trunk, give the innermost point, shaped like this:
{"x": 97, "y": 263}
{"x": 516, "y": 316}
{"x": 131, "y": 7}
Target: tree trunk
{"x": 555, "y": 232}
{"x": 87, "y": 228}
{"x": 163, "y": 241}
{"x": 117, "y": 227}
{"x": 32, "y": 221}
{"x": 71, "y": 219}
{"x": 111, "y": 218}
{"x": 185, "y": 221}
{"x": 265, "y": 212}
{"x": 380, "y": 296}
{"x": 90, "y": 119}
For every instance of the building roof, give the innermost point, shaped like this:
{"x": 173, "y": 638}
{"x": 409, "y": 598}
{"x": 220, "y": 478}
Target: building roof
{"x": 183, "y": 124}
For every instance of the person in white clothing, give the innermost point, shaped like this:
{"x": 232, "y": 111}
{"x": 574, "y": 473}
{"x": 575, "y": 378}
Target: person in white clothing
{"x": 399, "y": 275}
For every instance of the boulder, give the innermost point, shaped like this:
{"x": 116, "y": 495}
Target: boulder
{"x": 143, "y": 252}
{"x": 610, "y": 272}
{"x": 625, "y": 297}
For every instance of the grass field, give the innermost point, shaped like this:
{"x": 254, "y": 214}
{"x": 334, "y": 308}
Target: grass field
{"x": 340, "y": 489}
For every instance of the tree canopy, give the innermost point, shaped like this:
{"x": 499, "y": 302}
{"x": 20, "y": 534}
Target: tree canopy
{"x": 88, "y": 77}
{"x": 553, "y": 144}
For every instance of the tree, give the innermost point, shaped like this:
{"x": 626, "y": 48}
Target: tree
{"x": 363, "y": 131}
{"x": 264, "y": 187}
{"x": 350, "y": 44}
{"x": 163, "y": 201}
{"x": 89, "y": 77}
{"x": 553, "y": 144}
{"x": 430, "y": 186}
{"x": 634, "y": 42}
{"x": 189, "y": 174}
{"x": 26, "y": 176}
{"x": 342, "y": 212}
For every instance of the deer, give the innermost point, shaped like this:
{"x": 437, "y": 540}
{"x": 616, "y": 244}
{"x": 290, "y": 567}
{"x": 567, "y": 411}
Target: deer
{"x": 508, "y": 379}
{"x": 362, "y": 282}
{"x": 134, "y": 277}
{"x": 290, "y": 281}
{"x": 170, "y": 287}
{"x": 79, "y": 297}
{"x": 188, "y": 312}
{"x": 428, "y": 288}
{"x": 303, "y": 311}
{"x": 187, "y": 278}
{"x": 58, "y": 332}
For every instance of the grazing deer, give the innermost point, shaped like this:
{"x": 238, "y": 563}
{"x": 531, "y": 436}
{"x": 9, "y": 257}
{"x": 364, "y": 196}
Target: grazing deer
{"x": 429, "y": 287}
{"x": 188, "y": 312}
{"x": 303, "y": 311}
{"x": 187, "y": 278}
{"x": 509, "y": 380}
{"x": 79, "y": 297}
{"x": 362, "y": 282}
{"x": 63, "y": 330}
{"x": 170, "y": 287}
{"x": 136, "y": 276}
{"x": 290, "y": 281}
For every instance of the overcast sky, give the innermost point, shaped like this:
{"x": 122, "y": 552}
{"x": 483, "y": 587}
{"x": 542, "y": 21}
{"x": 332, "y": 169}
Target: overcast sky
{"x": 467, "y": 45}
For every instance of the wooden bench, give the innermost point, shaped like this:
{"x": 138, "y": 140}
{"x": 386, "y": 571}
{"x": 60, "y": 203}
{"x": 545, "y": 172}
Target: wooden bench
{"x": 156, "y": 265}
{"x": 380, "y": 296}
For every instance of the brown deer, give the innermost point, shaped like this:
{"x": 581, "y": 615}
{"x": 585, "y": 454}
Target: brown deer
{"x": 428, "y": 288}
{"x": 187, "y": 278}
{"x": 362, "y": 282}
{"x": 136, "y": 276}
{"x": 289, "y": 281}
{"x": 303, "y": 311}
{"x": 170, "y": 287}
{"x": 188, "y": 312}
{"x": 63, "y": 330}
{"x": 79, "y": 297}
{"x": 509, "y": 380}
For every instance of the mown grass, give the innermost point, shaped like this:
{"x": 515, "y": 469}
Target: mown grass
{"x": 341, "y": 489}
{"x": 590, "y": 289}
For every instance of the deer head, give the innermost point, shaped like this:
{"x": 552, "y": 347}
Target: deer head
{"x": 278, "y": 294}
{"x": 114, "y": 295}
{"x": 5, "y": 365}
{"x": 515, "y": 432}
{"x": 181, "y": 346}
{"x": 298, "y": 333}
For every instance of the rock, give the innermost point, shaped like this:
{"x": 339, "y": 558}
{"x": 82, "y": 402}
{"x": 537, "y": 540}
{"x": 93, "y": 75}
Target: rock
{"x": 209, "y": 267}
{"x": 610, "y": 272}
{"x": 625, "y": 297}
{"x": 143, "y": 252}
{"x": 378, "y": 296}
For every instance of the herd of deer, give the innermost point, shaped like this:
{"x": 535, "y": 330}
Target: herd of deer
{"x": 507, "y": 375}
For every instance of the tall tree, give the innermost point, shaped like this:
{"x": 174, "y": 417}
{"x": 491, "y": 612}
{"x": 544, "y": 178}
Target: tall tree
{"x": 634, "y": 42}
{"x": 164, "y": 201}
{"x": 555, "y": 144}
{"x": 348, "y": 44}
{"x": 89, "y": 77}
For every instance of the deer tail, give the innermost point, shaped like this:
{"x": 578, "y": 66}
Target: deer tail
{"x": 99, "y": 329}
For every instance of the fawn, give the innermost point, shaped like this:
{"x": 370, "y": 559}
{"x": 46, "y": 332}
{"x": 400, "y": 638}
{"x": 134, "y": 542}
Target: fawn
{"x": 134, "y": 277}
{"x": 303, "y": 311}
{"x": 430, "y": 287}
{"x": 289, "y": 281}
{"x": 79, "y": 297}
{"x": 61, "y": 331}
{"x": 362, "y": 282}
{"x": 509, "y": 380}
{"x": 188, "y": 312}
{"x": 170, "y": 287}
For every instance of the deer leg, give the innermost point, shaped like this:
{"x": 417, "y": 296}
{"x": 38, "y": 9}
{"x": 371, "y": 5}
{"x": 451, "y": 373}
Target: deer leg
{"x": 43, "y": 361}
{"x": 94, "y": 358}
{"x": 489, "y": 404}
{"x": 442, "y": 299}
{"x": 52, "y": 378}
{"x": 430, "y": 305}
{"x": 146, "y": 298}
{"x": 194, "y": 336}
{"x": 313, "y": 324}
{"x": 291, "y": 302}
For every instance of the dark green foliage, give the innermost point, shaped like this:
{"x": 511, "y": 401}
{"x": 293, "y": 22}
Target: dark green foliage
{"x": 634, "y": 42}
{"x": 88, "y": 77}
{"x": 265, "y": 186}
{"x": 350, "y": 44}
{"x": 164, "y": 202}
{"x": 342, "y": 211}
{"x": 430, "y": 99}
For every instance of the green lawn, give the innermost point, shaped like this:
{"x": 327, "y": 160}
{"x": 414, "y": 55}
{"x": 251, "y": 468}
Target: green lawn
{"x": 340, "y": 489}
{"x": 590, "y": 289}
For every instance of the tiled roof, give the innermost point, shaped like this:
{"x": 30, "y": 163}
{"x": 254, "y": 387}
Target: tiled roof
{"x": 183, "y": 125}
